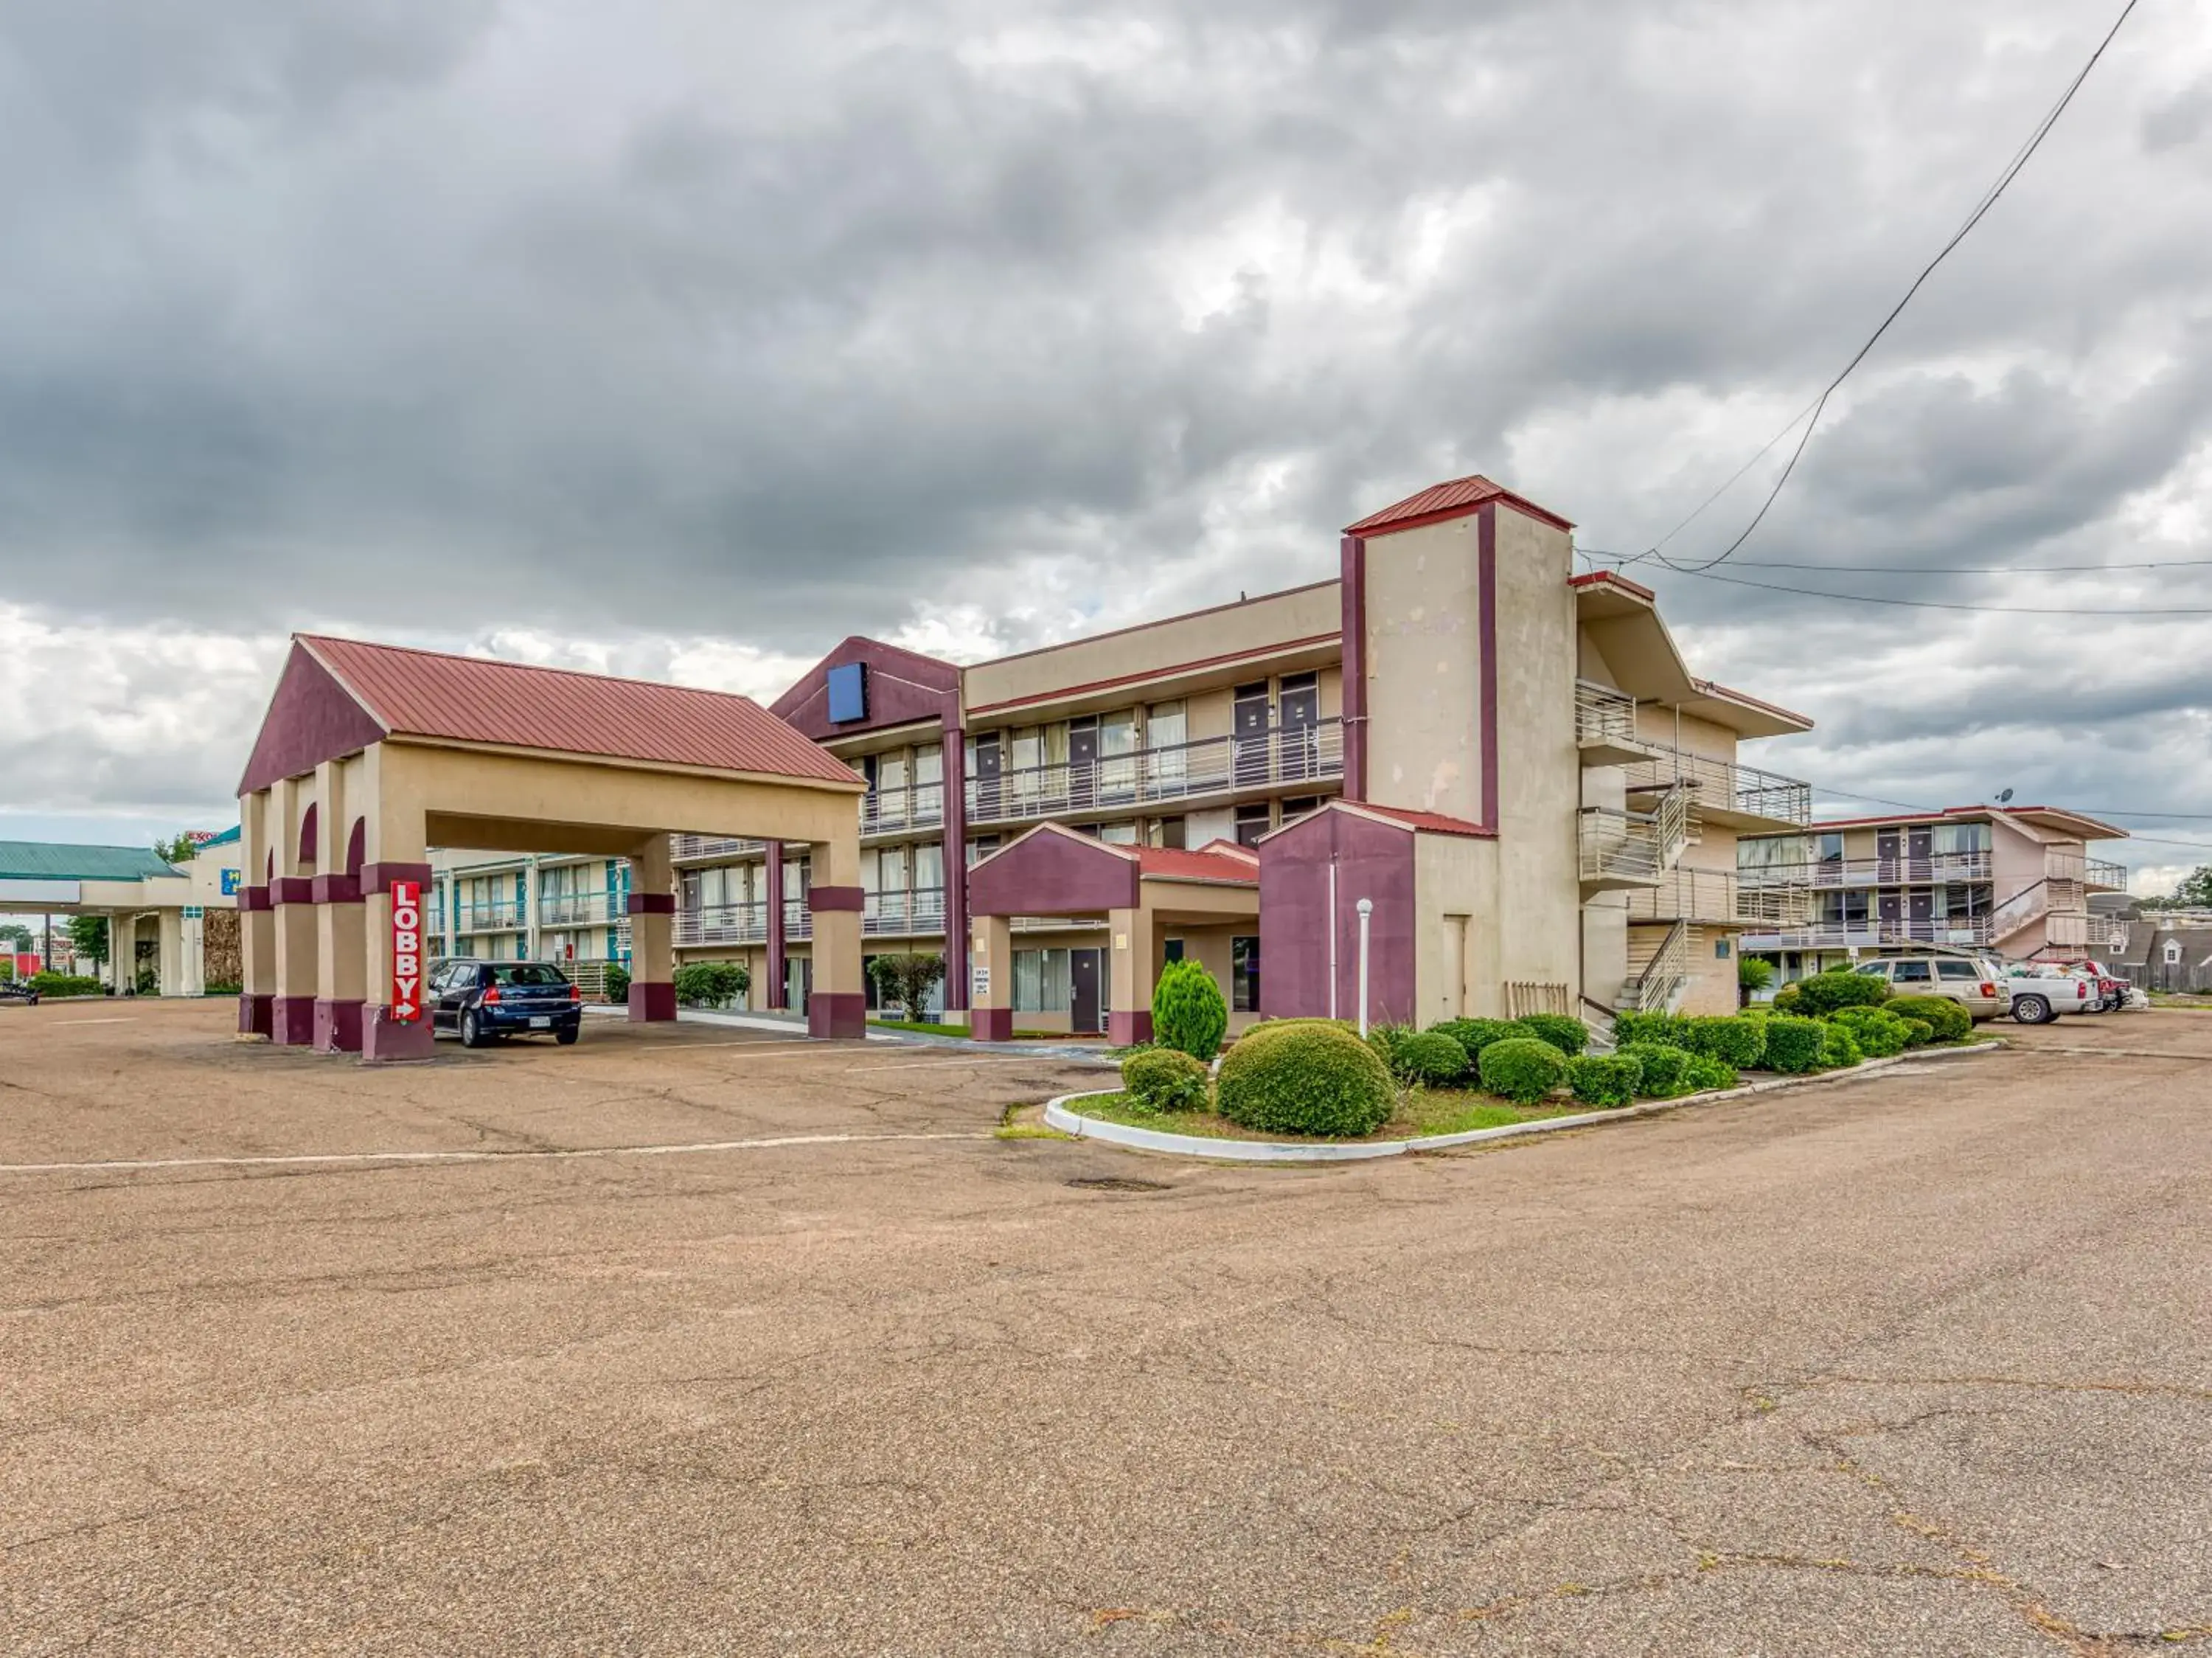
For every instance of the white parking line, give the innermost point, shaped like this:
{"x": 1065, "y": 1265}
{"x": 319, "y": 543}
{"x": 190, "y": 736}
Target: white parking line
{"x": 919, "y": 1064}
{"x": 308, "y": 1159}
{"x": 120, "y": 1019}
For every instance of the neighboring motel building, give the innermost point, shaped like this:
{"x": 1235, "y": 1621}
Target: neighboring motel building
{"x": 2015, "y": 880}
{"x": 1514, "y": 764}
{"x": 181, "y": 923}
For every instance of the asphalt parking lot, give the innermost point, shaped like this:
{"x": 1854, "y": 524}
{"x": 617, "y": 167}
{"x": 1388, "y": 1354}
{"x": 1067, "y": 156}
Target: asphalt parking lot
{"x": 700, "y": 1340}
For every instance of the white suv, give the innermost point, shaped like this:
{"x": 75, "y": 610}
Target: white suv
{"x": 1973, "y": 983}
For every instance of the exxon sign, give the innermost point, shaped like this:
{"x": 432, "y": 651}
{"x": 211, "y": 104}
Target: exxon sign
{"x": 407, "y": 951}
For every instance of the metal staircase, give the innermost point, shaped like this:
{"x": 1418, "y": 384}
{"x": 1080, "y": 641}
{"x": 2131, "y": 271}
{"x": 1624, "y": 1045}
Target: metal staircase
{"x": 1655, "y": 982}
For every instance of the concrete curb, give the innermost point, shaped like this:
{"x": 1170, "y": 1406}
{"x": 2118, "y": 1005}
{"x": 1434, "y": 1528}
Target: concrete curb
{"x": 1058, "y": 1113}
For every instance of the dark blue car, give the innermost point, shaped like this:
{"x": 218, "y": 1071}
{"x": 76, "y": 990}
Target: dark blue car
{"x": 481, "y": 1000}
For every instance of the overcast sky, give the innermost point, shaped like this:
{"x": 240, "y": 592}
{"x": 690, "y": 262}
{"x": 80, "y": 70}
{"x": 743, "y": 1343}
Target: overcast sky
{"x": 685, "y": 338}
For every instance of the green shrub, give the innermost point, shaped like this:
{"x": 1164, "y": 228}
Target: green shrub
{"x": 616, "y": 982}
{"x": 1632, "y": 1028}
{"x": 711, "y": 984}
{"x": 1605, "y": 1079}
{"x": 147, "y": 981}
{"x": 1953, "y": 1023}
{"x": 1384, "y": 1039}
{"x": 1164, "y": 1079}
{"x": 1569, "y": 1036}
{"x": 1839, "y": 1049}
{"x": 1878, "y": 1031}
{"x": 1705, "y": 1072}
{"x": 1301, "y": 1077}
{"x": 1737, "y": 1041}
{"x": 1823, "y": 993}
{"x": 1429, "y": 1057}
{"x": 1786, "y": 999}
{"x": 1189, "y": 1012}
{"x": 1663, "y": 1068}
{"x": 904, "y": 980}
{"x": 53, "y": 984}
{"x": 1793, "y": 1045}
{"x": 1521, "y": 1068}
{"x": 1753, "y": 972}
{"x": 1474, "y": 1035}
{"x": 1920, "y": 1032}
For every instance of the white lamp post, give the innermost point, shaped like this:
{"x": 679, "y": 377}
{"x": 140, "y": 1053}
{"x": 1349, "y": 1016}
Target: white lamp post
{"x": 1366, "y": 908}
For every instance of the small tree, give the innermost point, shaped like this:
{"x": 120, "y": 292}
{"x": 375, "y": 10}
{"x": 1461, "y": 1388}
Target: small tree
{"x": 1188, "y": 1012}
{"x": 88, "y": 937}
{"x": 1753, "y": 973}
{"x": 179, "y": 849}
{"x": 14, "y": 935}
{"x": 907, "y": 981}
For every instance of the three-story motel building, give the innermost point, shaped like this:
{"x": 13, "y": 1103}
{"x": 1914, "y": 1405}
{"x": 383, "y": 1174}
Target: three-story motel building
{"x": 1512, "y": 764}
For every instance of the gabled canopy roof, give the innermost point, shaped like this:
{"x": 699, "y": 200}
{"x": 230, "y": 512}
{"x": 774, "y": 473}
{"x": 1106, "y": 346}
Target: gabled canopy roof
{"x": 337, "y": 695}
{"x": 1054, "y": 870}
{"x": 1397, "y": 817}
{"x": 34, "y": 860}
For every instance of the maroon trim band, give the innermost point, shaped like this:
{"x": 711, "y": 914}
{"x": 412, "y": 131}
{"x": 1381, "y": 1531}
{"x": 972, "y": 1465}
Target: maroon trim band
{"x": 1353, "y": 560}
{"x": 379, "y": 877}
{"x": 1486, "y": 601}
{"x": 991, "y": 1024}
{"x": 384, "y": 1041}
{"x": 337, "y": 1026}
{"x": 652, "y": 904}
{"x": 292, "y": 1021}
{"x": 252, "y": 900}
{"x": 336, "y": 889}
{"x": 778, "y": 955}
{"x": 651, "y": 1003}
{"x": 836, "y": 1012}
{"x": 292, "y": 889}
{"x": 834, "y": 900}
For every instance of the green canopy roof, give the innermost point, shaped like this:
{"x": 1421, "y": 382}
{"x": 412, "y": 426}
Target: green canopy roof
{"x": 36, "y": 860}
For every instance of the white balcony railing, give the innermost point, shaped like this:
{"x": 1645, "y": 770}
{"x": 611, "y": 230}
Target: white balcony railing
{"x": 501, "y": 915}
{"x": 723, "y": 924}
{"x": 1605, "y": 716}
{"x": 580, "y": 908}
{"x": 1717, "y": 786}
{"x": 691, "y": 848}
{"x": 1654, "y": 986}
{"x": 887, "y": 811}
{"x": 1714, "y": 896}
{"x": 1285, "y": 756}
{"x": 1619, "y": 847}
{"x": 897, "y": 914}
{"x": 1834, "y": 873}
{"x": 1962, "y": 930}
{"x": 2111, "y": 877}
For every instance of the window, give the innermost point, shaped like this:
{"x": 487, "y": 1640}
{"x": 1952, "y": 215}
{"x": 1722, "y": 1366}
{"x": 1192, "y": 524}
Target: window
{"x": 1118, "y": 834}
{"x": 1244, "y": 975}
{"x": 1720, "y": 950}
{"x": 1964, "y": 971}
{"x": 1167, "y": 764}
{"x": 1874, "y": 969}
{"x": 1166, "y": 832}
{"x": 981, "y": 848}
{"x": 1961, "y": 837}
{"x": 1172, "y": 950}
{"x": 1771, "y": 851}
{"x": 1251, "y": 823}
{"x": 1912, "y": 973}
{"x": 1040, "y": 982}
{"x": 1299, "y": 805}
{"x": 1830, "y": 849}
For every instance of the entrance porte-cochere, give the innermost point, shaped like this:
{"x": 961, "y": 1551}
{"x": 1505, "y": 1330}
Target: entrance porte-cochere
{"x": 371, "y": 754}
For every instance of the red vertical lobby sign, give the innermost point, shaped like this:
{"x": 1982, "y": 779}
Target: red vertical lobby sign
{"x": 407, "y": 951}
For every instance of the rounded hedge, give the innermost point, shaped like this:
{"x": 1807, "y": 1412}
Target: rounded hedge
{"x": 1840, "y": 1049}
{"x": 1476, "y": 1034}
{"x": 1164, "y": 1079}
{"x": 1878, "y": 1031}
{"x": 1521, "y": 1068}
{"x": 1604, "y": 1079}
{"x": 1303, "y": 1077}
{"x": 1793, "y": 1045}
{"x": 1663, "y": 1068}
{"x": 1785, "y": 1000}
{"x": 1705, "y": 1072}
{"x": 1569, "y": 1036}
{"x": 1923, "y": 1033}
{"x": 1189, "y": 1014}
{"x": 1736, "y": 1041}
{"x": 712, "y": 984}
{"x": 1953, "y": 1023}
{"x": 616, "y": 982}
{"x": 1632, "y": 1028}
{"x": 1429, "y": 1057}
{"x": 1825, "y": 992}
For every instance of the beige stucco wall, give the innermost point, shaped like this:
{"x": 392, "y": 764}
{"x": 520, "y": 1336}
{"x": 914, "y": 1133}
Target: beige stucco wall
{"x": 1423, "y": 650}
{"x": 1669, "y": 727}
{"x": 1457, "y": 966}
{"x": 1539, "y": 770}
{"x": 1262, "y": 624}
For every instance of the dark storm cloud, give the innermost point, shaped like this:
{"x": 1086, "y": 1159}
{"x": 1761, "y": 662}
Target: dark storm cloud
{"x": 770, "y": 323}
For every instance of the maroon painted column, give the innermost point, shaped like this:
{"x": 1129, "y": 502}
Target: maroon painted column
{"x": 385, "y": 1040}
{"x": 292, "y": 1014}
{"x": 954, "y": 772}
{"x": 1353, "y": 560}
{"x": 256, "y": 1008}
{"x": 773, "y": 873}
{"x": 836, "y": 911}
{"x": 339, "y": 1018}
{"x": 653, "y": 957}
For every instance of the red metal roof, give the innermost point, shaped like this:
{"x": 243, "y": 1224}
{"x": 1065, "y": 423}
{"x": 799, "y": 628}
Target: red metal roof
{"x": 1219, "y": 860}
{"x": 1611, "y": 578}
{"x": 1436, "y": 822}
{"x": 428, "y": 693}
{"x": 1455, "y": 498}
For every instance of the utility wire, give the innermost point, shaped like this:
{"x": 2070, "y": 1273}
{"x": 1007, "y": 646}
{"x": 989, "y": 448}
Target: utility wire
{"x": 1705, "y": 575}
{"x": 1595, "y": 553}
{"x": 1990, "y": 197}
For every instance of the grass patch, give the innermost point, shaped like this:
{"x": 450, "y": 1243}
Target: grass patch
{"x": 1028, "y": 1131}
{"x": 1419, "y": 1113}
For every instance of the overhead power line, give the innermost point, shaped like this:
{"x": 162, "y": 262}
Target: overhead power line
{"x": 1705, "y": 575}
{"x": 1596, "y": 554}
{"x": 1990, "y": 197}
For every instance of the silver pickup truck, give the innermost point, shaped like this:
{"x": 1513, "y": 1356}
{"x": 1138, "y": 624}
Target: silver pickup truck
{"x": 2040, "y": 995}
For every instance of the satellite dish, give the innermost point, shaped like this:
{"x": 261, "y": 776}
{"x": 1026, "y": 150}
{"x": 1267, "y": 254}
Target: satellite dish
{"x": 2003, "y": 798}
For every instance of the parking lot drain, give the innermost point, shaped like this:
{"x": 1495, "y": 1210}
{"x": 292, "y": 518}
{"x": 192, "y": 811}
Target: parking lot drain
{"x": 1115, "y": 1183}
